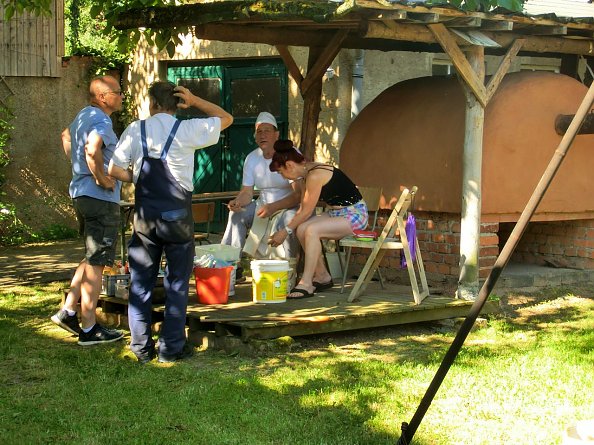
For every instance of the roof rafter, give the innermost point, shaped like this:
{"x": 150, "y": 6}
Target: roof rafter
{"x": 371, "y": 24}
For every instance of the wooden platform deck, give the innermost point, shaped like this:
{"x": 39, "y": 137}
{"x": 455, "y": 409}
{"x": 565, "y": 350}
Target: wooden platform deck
{"x": 327, "y": 312}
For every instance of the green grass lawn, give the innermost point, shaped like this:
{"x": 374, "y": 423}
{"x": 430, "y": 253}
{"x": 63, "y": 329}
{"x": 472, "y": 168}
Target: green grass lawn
{"x": 521, "y": 379}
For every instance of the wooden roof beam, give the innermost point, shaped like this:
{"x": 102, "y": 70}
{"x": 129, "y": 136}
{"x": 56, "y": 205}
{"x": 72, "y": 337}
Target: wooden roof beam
{"x": 390, "y": 24}
{"x": 289, "y": 37}
{"x": 533, "y": 44}
{"x": 423, "y": 17}
{"x": 497, "y": 25}
{"x": 259, "y": 34}
{"x": 290, "y": 63}
{"x": 389, "y": 15}
{"x": 466, "y": 71}
{"x": 548, "y": 30}
{"x": 403, "y": 31}
{"x": 465, "y": 22}
{"x": 323, "y": 61}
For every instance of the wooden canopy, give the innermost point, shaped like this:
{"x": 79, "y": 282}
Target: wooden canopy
{"x": 325, "y": 27}
{"x": 369, "y": 24}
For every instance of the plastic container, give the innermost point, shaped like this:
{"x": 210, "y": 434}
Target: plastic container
{"x": 121, "y": 290}
{"x": 221, "y": 252}
{"x": 269, "y": 280}
{"x": 108, "y": 283}
{"x": 212, "y": 284}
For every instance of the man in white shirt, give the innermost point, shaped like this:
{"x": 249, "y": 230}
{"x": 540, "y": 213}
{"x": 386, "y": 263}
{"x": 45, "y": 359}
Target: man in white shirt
{"x": 276, "y": 193}
{"x": 160, "y": 151}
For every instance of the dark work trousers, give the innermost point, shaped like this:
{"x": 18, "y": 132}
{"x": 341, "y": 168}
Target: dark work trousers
{"x": 162, "y": 223}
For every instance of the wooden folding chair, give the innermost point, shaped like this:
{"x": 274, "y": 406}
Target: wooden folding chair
{"x": 386, "y": 242}
{"x": 203, "y": 213}
{"x": 372, "y": 197}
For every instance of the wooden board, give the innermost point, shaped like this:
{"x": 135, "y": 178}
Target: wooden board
{"x": 327, "y": 312}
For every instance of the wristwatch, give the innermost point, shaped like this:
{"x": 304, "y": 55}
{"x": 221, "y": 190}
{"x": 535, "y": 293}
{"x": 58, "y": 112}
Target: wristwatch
{"x": 289, "y": 230}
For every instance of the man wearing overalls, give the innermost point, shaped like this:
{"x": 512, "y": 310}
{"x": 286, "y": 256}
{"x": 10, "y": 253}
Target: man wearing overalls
{"x": 160, "y": 152}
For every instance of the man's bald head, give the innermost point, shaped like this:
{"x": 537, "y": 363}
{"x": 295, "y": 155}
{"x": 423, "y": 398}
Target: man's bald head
{"x": 105, "y": 93}
{"x": 102, "y": 85}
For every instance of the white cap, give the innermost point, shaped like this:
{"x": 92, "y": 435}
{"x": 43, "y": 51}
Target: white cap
{"x": 266, "y": 118}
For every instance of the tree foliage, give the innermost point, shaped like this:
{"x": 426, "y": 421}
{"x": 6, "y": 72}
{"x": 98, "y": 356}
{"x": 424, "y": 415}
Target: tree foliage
{"x": 107, "y": 12}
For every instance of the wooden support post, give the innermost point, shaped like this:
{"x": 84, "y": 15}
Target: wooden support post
{"x": 310, "y": 86}
{"x": 290, "y": 63}
{"x": 503, "y": 68}
{"x": 472, "y": 159}
{"x": 311, "y": 108}
{"x": 317, "y": 68}
{"x": 471, "y": 70}
{"x": 465, "y": 70}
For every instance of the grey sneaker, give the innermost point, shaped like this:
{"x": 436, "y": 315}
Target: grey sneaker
{"x": 65, "y": 321}
{"x": 98, "y": 335}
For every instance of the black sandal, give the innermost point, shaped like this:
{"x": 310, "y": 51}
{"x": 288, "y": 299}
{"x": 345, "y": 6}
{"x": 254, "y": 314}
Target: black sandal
{"x": 303, "y": 292}
{"x": 323, "y": 286}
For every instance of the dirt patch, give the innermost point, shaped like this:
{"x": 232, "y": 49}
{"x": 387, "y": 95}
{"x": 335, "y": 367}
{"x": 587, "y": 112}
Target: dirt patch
{"x": 39, "y": 263}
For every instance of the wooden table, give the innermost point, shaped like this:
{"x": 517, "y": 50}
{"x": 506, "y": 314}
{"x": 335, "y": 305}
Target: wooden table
{"x": 127, "y": 209}
{"x": 214, "y": 196}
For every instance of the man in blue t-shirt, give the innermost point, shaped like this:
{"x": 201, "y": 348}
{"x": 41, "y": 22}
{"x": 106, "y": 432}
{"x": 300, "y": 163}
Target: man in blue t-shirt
{"x": 90, "y": 142}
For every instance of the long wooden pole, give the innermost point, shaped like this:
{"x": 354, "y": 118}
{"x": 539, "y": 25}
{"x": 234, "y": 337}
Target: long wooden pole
{"x": 408, "y": 430}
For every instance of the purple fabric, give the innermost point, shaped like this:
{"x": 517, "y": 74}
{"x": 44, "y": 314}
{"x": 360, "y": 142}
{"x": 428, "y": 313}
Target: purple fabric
{"x": 411, "y": 234}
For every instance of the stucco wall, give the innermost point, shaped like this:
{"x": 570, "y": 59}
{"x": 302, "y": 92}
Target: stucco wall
{"x": 381, "y": 71}
{"x": 39, "y": 173}
{"x": 413, "y": 133}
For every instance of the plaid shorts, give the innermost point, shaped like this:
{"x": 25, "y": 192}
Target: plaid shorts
{"x": 356, "y": 214}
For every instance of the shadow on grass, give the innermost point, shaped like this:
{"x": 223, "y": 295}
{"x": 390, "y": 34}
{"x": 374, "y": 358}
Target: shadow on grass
{"x": 44, "y": 262}
{"x": 55, "y": 391}
{"x": 537, "y": 310}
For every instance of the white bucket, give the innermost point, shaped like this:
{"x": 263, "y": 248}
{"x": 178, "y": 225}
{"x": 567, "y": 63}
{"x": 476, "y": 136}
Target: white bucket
{"x": 269, "y": 280}
{"x": 221, "y": 252}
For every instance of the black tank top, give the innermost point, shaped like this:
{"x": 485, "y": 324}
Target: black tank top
{"x": 340, "y": 191}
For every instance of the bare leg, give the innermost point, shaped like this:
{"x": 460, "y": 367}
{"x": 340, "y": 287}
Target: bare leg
{"x": 90, "y": 289}
{"x": 309, "y": 234}
{"x": 321, "y": 274}
{"x": 74, "y": 293}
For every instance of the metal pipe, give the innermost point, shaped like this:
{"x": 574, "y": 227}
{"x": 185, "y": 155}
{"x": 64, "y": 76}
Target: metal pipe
{"x": 357, "y": 83}
{"x": 408, "y": 430}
